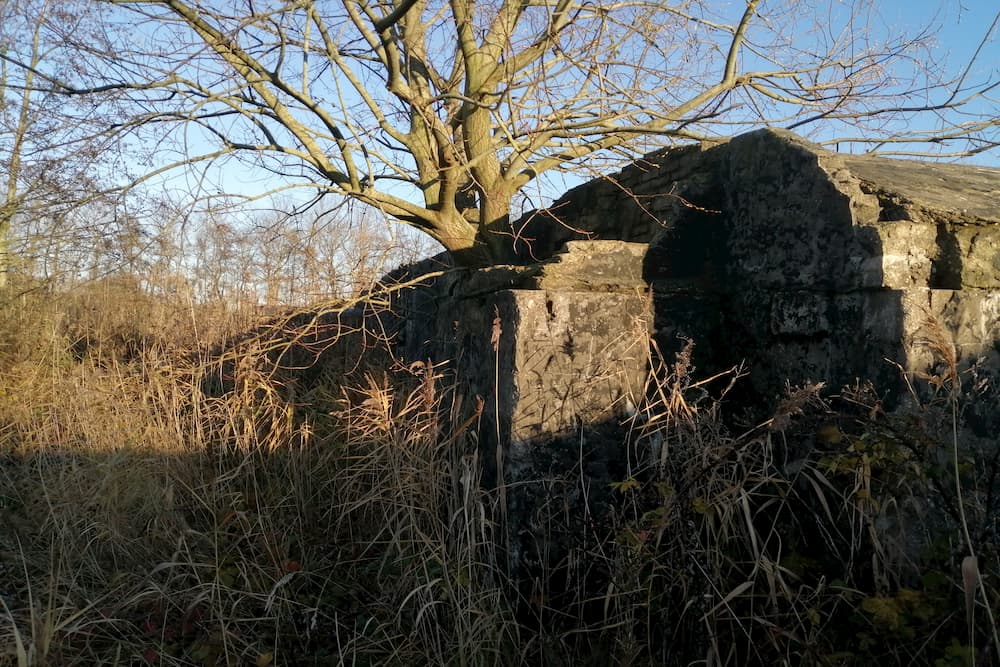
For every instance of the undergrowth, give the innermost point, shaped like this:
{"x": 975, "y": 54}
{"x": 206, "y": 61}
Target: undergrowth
{"x": 148, "y": 519}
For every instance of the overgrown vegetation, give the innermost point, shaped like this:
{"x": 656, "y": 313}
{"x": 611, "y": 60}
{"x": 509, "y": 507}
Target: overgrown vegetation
{"x": 147, "y": 520}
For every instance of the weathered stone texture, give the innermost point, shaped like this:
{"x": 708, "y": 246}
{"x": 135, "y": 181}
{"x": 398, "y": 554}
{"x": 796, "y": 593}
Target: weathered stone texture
{"x": 929, "y": 192}
{"x": 549, "y": 347}
{"x": 807, "y": 265}
{"x": 578, "y": 357}
{"x": 594, "y": 266}
{"x": 817, "y": 265}
{"x": 803, "y": 264}
{"x": 559, "y": 354}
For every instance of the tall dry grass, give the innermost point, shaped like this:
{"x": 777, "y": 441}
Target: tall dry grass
{"x": 148, "y": 519}
{"x": 152, "y": 523}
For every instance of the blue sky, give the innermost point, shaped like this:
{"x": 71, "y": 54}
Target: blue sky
{"x": 959, "y": 26}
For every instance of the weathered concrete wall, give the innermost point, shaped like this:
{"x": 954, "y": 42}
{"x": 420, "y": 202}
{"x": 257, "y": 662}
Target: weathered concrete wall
{"x": 807, "y": 264}
{"x": 803, "y": 264}
{"x": 548, "y": 346}
{"x": 558, "y": 352}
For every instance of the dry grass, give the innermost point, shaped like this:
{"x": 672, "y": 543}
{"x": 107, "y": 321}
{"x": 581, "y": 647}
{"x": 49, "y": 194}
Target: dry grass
{"x": 149, "y": 521}
{"x": 154, "y": 524}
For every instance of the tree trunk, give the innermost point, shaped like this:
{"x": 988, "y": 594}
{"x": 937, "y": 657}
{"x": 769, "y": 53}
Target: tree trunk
{"x": 472, "y": 245}
{"x": 494, "y": 228}
{"x": 4, "y": 255}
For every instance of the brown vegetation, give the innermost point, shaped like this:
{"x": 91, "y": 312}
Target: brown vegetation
{"x": 148, "y": 522}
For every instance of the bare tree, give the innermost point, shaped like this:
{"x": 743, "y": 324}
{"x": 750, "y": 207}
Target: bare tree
{"x": 322, "y": 255}
{"x": 438, "y": 112}
{"x": 51, "y": 145}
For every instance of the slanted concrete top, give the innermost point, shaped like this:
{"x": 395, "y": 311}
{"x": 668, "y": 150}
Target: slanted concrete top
{"x": 961, "y": 193}
{"x": 907, "y": 190}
